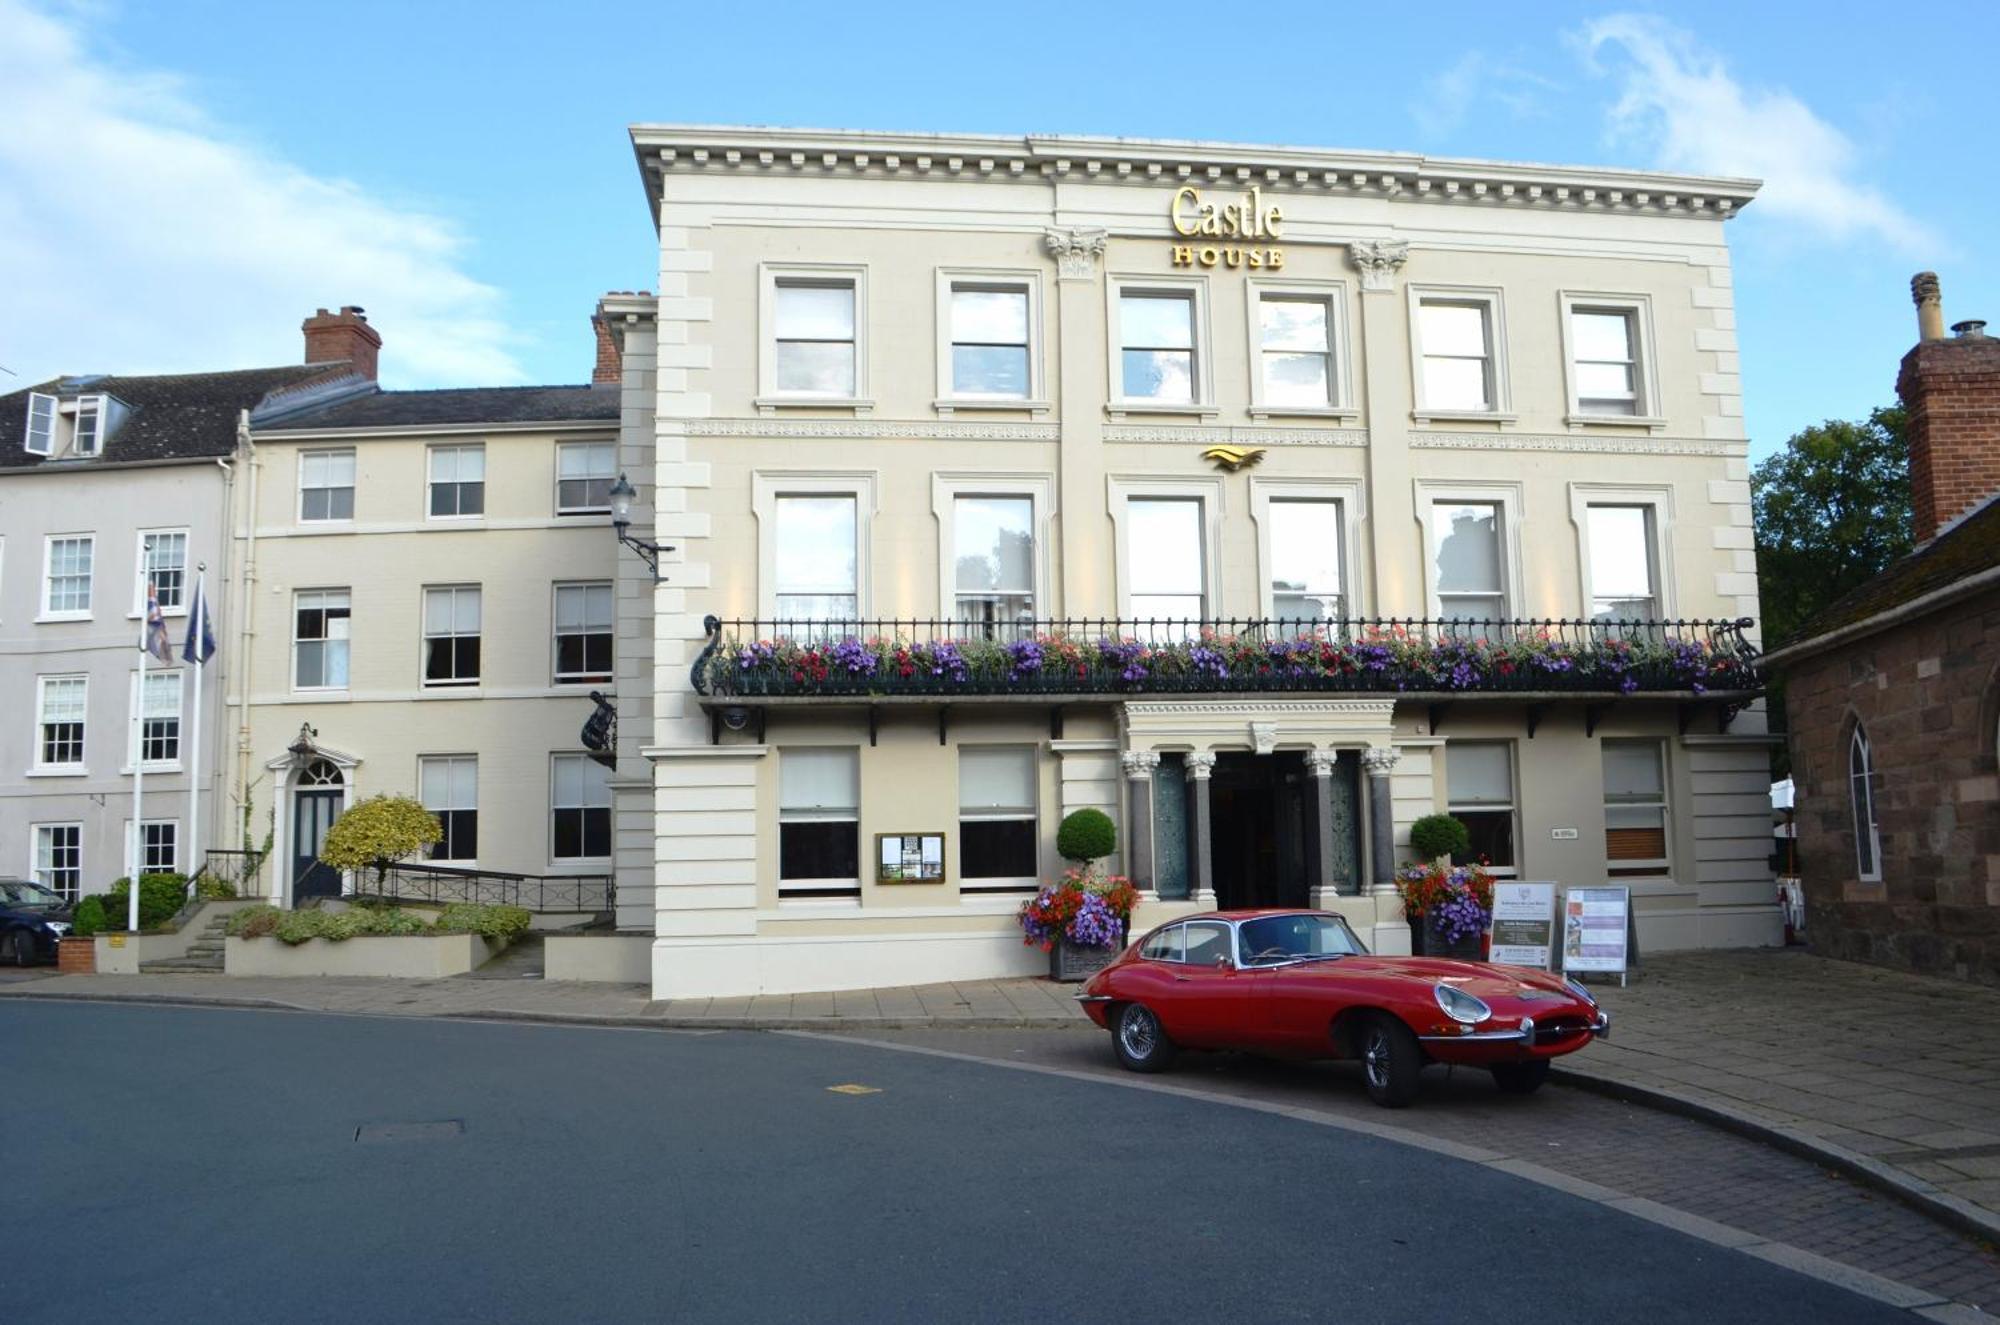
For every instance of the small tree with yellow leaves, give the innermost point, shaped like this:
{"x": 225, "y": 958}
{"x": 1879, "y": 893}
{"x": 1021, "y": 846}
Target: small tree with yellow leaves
{"x": 377, "y": 833}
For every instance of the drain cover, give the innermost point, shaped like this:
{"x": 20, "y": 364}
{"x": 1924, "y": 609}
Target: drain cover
{"x": 449, "y": 1129}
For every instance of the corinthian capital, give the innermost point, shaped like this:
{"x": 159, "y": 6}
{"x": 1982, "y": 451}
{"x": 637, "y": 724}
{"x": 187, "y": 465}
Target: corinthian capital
{"x": 1139, "y": 764}
{"x": 1076, "y": 251}
{"x": 1379, "y": 760}
{"x": 1378, "y": 260}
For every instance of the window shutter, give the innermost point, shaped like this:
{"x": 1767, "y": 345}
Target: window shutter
{"x": 41, "y": 439}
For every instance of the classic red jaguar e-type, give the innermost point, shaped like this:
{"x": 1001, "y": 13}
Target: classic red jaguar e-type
{"x": 1299, "y": 984}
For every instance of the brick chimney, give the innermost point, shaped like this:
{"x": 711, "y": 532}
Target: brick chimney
{"x": 609, "y": 364}
{"x": 331, "y": 337}
{"x": 1950, "y": 387}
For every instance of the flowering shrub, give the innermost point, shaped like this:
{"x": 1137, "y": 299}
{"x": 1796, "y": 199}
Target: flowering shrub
{"x": 1088, "y": 911}
{"x": 1455, "y": 901}
{"x": 1374, "y": 658}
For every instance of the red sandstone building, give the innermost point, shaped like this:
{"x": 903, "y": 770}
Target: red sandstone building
{"x": 1894, "y": 694}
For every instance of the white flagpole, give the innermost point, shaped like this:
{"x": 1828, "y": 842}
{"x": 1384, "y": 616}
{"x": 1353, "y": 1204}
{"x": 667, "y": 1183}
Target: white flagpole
{"x": 196, "y": 633}
{"x": 135, "y": 840}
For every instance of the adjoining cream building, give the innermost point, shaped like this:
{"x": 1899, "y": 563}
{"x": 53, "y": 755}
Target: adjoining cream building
{"x": 1085, "y": 425}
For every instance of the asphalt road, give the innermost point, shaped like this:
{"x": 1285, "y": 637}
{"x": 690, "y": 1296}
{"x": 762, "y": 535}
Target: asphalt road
{"x": 167, "y": 1164}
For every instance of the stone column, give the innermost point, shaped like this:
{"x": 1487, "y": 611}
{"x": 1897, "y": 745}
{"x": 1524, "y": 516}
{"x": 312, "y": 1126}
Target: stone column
{"x": 1084, "y": 558}
{"x": 1201, "y": 854}
{"x": 1139, "y": 766}
{"x": 1320, "y": 881}
{"x": 1395, "y": 553}
{"x": 1379, "y": 761}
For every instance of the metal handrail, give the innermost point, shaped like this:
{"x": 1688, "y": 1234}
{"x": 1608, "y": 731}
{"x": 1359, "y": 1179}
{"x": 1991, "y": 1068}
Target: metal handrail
{"x": 543, "y": 893}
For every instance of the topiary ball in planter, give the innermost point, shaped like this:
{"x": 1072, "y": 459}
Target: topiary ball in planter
{"x": 1086, "y": 835}
{"x": 1437, "y": 835}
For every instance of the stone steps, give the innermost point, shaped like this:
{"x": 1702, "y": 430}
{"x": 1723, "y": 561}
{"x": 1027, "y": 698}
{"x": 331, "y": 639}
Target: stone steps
{"x": 204, "y": 955}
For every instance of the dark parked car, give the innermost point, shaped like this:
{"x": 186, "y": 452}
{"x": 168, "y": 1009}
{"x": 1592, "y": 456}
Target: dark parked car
{"x": 31, "y": 920}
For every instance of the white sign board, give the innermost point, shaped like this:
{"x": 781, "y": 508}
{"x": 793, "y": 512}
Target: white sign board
{"x": 1594, "y": 929}
{"x": 1523, "y": 923}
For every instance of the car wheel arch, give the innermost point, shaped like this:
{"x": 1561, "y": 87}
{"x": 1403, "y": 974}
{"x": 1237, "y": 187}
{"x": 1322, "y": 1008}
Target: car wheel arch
{"x": 1348, "y": 1023}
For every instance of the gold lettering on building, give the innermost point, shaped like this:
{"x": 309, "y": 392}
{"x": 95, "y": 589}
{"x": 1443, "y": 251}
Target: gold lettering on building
{"x": 1194, "y": 217}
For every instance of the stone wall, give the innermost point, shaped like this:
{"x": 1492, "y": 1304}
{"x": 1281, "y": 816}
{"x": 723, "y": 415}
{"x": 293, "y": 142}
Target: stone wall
{"x": 1928, "y": 694}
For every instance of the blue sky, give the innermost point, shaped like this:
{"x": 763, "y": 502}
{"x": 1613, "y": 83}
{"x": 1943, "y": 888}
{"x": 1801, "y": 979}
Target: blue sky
{"x": 182, "y": 180}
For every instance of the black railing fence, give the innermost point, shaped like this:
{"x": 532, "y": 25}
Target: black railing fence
{"x": 238, "y": 869}
{"x": 909, "y": 656}
{"x": 554, "y": 894}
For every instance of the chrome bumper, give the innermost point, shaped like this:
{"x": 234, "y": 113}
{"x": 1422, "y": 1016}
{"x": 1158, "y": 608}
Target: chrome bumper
{"x": 1600, "y": 1029}
{"x": 1093, "y": 998}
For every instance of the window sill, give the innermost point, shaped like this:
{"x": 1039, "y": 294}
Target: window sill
{"x": 1118, "y": 409}
{"x": 170, "y": 613}
{"x": 580, "y": 865}
{"x": 1344, "y": 412}
{"x": 1649, "y": 421}
{"x": 772, "y": 404}
{"x": 150, "y": 769}
{"x": 348, "y": 523}
{"x": 455, "y": 519}
{"x": 326, "y": 695}
{"x": 50, "y": 618}
{"x": 1462, "y": 416}
{"x": 57, "y": 773}
{"x": 452, "y": 690}
{"x": 566, "y": 512}
{"x": 1001, "y": 405}
{"x": 844, "y": 903}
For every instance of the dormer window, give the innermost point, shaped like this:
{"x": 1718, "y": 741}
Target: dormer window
{"x": 88, "y": 426}
{"x": 41, "y": 424}
{"x": 70, "y": 429}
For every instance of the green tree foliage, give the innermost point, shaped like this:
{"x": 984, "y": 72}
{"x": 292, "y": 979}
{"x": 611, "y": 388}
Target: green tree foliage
{"x": 1437, "y": 835}
{"x": 377, "y": 833}
{"x": 1086, "y": 835}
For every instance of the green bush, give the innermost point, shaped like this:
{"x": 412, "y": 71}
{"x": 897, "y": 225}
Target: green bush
{"x": 161, "y": 897}
{"x": 495, "y": 922}
{"x": 1437, "y": 835}
{"x": 208, "y": 888}
{"x": 296, "y": 927}
{"x": 394, "y": 920}
{"x": 89, "y": 918}
{"x": 1086, "y": 835}
{"x": 253, "y": 922}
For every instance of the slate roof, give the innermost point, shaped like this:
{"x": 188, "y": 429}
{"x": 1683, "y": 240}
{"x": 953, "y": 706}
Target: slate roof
{"x": 1971, "y": 546}
{"x": 479, "y": 404}
{"x": 185, "y": 416}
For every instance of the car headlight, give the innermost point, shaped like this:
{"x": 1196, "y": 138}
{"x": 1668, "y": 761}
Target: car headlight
{"x": 57, "y": 927}
{"x": 1460, "y": 1006}
{"x": 1576, "y": 987}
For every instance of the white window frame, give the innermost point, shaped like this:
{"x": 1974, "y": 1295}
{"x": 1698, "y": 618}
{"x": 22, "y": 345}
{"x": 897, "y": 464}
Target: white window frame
{"x": 1339, "y": 375}
{"x": 35, "y": 868}
{"x": 848, "y": 890}
{"x": 1209, "y": 491}
{"x": 1349, "y": 496}
{"x": 99, "y": 408}
{"x": 135, "y": 846}
{"x": 557, "y": 481}
{"x": 1025, "y": 280}
{"x": 1644, "y": 869}
{"x": 1502, "y": 402}
{"x": 49, "y": 542}
{"x": 766, "y": 486}
{"x": 135, "y": 734}
{"x": 556, "y": 676}
{"x": 1512, "y": 808}
{"x": 292, "y": 633}
{"x": 472, "y": 861}
{"x": 1647, "y": 412}
{"x": 425, "y": 636}
{"x": 1203, "y": 381}
{"x": 1508, "y": 496}
{"x": 1660, "y": 502}
{"x": 611, "y": 810}
{"x": 353, "y": 487}
{"x": 1000, "y": 883}
{"x": 769, "y": 275}
{"x": 81, "y": 766}
{"x": 947, "y": 488}
{"x": 431, "y": 453}
{"x": 1870, "y": 780}
{"x": 49, "y": 409}
{"x": 141, "y": 576}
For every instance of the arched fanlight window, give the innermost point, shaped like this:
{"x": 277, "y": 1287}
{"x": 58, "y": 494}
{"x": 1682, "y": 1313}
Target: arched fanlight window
{"x": 1862, "y": 788}
{"x": 321, "y": 773}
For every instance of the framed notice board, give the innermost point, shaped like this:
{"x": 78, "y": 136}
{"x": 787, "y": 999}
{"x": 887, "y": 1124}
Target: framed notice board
{"x": 909, "y": 857}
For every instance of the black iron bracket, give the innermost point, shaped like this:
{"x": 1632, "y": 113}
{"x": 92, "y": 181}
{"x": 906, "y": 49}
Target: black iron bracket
{"x": 1592, "y": 715}
{"x": 648, "y": 552}
{"x": 1535, "y": 714}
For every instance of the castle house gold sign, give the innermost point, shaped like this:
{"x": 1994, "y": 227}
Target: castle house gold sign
{"x": 1222, "y": 228}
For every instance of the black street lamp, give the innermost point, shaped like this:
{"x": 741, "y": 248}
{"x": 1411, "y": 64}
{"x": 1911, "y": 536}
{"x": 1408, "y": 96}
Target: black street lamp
{"x": 622, "y": 493}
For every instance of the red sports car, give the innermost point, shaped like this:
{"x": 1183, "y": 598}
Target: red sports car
{"x": 1299, "y": 984}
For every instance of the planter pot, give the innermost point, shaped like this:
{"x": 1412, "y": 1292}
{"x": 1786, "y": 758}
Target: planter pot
{"x": 1427, "y": 942}
{"x": 76, "y": 956}
{"x": 1070, "y": 962}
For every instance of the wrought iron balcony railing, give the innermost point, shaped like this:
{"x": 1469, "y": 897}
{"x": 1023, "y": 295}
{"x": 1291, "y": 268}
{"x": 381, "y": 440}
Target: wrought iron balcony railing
{"x": 751, "y": 659}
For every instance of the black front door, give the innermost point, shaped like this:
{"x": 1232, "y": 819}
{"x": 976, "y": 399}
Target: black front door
{"x": 313, "y": 812}
{"x": 1258, "y": 829}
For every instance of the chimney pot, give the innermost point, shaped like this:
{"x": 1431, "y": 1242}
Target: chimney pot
{"x": 1951, "y": 399}
{"x": 1970, "y": 329}
{"x": 1929, "y": 299}
{"x": 609, "y": 368}
{"x": 346, "y": 335}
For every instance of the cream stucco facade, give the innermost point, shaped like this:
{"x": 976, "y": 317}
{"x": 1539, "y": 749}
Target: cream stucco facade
{"x": 718, "y": 439}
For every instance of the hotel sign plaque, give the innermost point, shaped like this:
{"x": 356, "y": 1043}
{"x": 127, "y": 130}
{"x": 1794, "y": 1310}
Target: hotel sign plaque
{"x": 1239, "y": 234}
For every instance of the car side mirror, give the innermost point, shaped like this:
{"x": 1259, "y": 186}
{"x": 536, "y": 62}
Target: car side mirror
{"x": 1222, "y": 959}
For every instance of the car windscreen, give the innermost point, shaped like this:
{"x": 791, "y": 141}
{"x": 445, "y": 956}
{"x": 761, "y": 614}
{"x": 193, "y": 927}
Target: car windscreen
{"x": 14, "y": 892}
{"x": 1270, "y": 939}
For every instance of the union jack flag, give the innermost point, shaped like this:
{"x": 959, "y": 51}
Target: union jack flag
{"x": 158, "y": 642}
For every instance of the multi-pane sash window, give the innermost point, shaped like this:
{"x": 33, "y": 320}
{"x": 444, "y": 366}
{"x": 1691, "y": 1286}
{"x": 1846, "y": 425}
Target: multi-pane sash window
{"x": 819, "y": 822}
{"x": 326, "y": 485}
{"x": 1623, "y": 581}
{"x": 61, "y": 703}
{"x": 1607, "y": 366}
{"x": 1635, "y": 808}
{"x": 160, "y": 719}
{"x": 1479, "y": 788}
{"x": 585, "y": 473}
{"x": 815, "y": 558}
{"x": 1164, "y": 555}
{"x": 41, "y": 438}
{"x": 989, "y": 342}
{"x": 993, "y": 544}
{"x": 1457, "y": 354}
{"x": 584, "y": 628}
{"x": 163, "y": 565}
{"x": 59, "y": 858}
{"x": 1864, "y": 787}
{"x": 580, "y": 808}
{"x": 996, "y": 814}
{"x": 159, "y": 846}
{"x": 89, "y": 436}
{"x": 451, "y": 635}
{"x": 1466, "y": 558}
{"x": 1295, "y": 340}
{"x": 815, "y": 337}
{"x": 67, "y": 590}
{"x": 1156, "y": 332}
{"x": 1305, "y": 560}
{"x": 449, "y": 785}
{"x": 320, "y": 621}
{"x": 458, "y": 480}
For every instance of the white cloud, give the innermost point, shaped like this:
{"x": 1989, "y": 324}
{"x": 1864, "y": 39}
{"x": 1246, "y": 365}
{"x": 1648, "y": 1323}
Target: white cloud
{"x": 1448, "y": 97}
{"x": 1681, "y": 101}
{"x": 138, "y": 236}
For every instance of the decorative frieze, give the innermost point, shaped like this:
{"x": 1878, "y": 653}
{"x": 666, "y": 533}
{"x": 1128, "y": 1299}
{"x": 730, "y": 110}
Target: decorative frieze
{"x": 1582, "y": 443}
{"x": 997, "y": 430}
{"x": 1177, "y": 434}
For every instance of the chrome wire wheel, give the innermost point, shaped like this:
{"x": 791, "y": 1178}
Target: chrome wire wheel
{"x": 1139, "y": 1032}
{"x": 1375, "y": 1053}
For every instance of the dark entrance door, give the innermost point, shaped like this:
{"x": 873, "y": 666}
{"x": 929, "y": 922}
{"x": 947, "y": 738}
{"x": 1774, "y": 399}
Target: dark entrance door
{"x": 1257, "y": 816}
{"x": 313, "y": 811}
